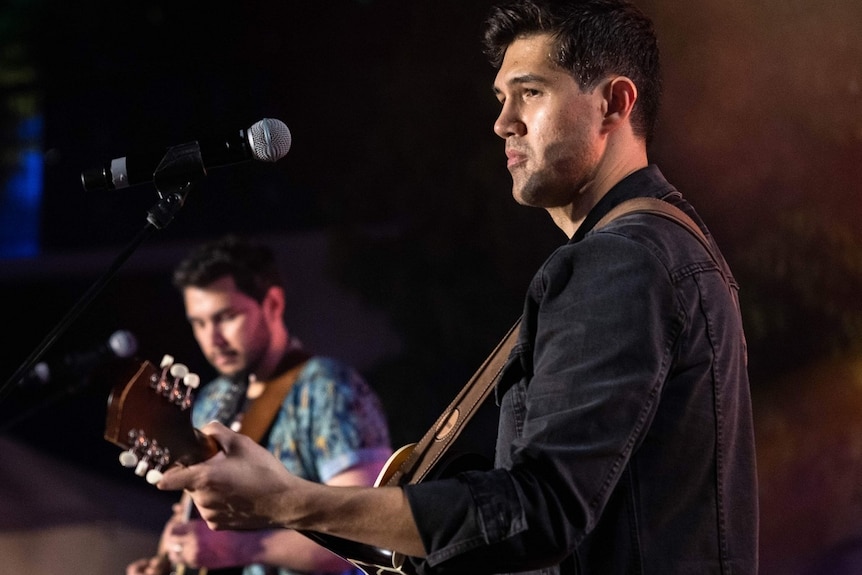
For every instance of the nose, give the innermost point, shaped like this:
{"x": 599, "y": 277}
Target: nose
{"x": 216, "y": 336}
{"x": 209, "y": 334}
{"x": 508, "y": 122}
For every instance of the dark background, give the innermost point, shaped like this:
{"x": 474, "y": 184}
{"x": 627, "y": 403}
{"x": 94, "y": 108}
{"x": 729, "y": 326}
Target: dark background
{"x": 394, "y": 200}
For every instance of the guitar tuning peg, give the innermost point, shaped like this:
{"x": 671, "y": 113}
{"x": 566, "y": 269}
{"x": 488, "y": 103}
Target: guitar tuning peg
{"x": 169, "y": 387}
{"x": 138, "y": 443}
{"x": 161, "y": 384}
{"x": 154, "y": 476}
{"x": 192, "y": 380}
{"x": 179, "y": 370}
{"x": 142, "y": 467}
{"x": 161, "y": 459}
{"x": 128, "y": 458}
{"x": 155, "y": 458}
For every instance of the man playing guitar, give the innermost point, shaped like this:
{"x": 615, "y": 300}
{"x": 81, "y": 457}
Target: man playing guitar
{"x": 329, "y": 426}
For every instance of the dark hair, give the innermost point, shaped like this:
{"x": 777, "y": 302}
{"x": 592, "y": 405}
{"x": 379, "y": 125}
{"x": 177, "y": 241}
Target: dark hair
{"x": 593, "y": 39}
{"x": 252, "y": 266}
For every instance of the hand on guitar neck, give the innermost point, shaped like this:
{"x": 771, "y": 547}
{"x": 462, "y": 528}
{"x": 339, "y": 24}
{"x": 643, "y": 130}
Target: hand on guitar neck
{"x": 149, "y": 417}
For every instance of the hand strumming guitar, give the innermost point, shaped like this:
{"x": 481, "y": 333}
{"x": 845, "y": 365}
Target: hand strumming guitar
{"x": 245, "y": 487}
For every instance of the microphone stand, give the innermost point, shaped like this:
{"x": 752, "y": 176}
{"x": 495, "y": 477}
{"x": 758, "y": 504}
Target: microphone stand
{"x": 181, "y": 163}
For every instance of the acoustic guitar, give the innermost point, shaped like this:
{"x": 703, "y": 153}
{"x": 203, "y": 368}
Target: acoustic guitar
{"x": 149, "y": 417}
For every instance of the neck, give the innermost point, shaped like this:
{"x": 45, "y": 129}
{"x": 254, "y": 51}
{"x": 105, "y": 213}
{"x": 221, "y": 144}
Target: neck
{"x": 292, "y": 355}
{"x": 279, "y": 344}
{"x": 609, "y": 173}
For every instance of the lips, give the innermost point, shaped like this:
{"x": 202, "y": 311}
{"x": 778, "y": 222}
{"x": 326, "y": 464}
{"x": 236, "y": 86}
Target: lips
{"x": 514, "y": 157}
{"x": 224, "y": 358}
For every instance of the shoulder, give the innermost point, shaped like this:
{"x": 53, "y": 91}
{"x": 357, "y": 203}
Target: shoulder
{"x": 324, "y": 375}
{"x": 329, "y": 385}
{"x": 677, "y": 244}
{"x": 215, "y": 388}
{"x": 210, "y": 398}
{"x": 320, "y": 367}
{"x": 628, "y": 241}
{"x": 623, "y": 260}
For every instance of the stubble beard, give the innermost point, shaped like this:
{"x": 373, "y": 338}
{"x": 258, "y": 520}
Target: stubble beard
{"x": 534, "y": 190}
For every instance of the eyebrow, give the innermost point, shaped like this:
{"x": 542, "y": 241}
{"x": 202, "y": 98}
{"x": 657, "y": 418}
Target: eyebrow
{"x": 522, "y": 79}
{"x": 230, "y": 308}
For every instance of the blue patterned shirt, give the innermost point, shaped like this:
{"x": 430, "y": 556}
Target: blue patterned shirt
{"x": 330, "y": 421}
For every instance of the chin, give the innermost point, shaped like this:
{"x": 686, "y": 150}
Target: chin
{"x": 526, "y": 198}
{"x": 229, "y": 369}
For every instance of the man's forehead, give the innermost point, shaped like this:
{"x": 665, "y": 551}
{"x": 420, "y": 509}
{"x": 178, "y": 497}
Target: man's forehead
{"x": 529, "y": 60}
{"x": 537, "y": 50}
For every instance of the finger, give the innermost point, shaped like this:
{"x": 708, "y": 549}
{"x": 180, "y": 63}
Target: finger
{"x": 179, "y": 477}
{"x": 218, "y": 431}
{"x": 176, "y": 478}
{"x": 175, "y": 552}
{"x": 180, "y": 530}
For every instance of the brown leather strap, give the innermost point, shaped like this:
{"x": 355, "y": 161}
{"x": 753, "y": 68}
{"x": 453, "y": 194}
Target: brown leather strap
{"x": 258, "y": 418}
{"x": 660, "y": 208}
{"x": 665, "y": 209}
{"x": 428, "y": 450}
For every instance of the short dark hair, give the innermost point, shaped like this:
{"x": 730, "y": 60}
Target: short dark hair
{"x": 593, "y": 39}
{"x": 252, "y": 266}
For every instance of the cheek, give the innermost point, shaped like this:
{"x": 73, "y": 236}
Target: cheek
{"x": 233, "y": 330}
{"x": 556, "y": 136}
{"x": 572, "y": 140}
{"x": 541, "y": 129}
{"x": 200, "y": 335}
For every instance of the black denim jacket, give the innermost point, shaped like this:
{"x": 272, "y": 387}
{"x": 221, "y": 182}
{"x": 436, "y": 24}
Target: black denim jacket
{"x": 625, "y": 442}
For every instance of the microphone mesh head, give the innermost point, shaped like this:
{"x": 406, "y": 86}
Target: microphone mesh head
{"x": 270, "y": 140}
{"x": 123, "y": 343}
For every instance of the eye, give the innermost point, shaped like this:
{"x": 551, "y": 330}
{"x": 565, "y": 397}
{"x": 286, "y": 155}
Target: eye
{"x": 227, "y": 316}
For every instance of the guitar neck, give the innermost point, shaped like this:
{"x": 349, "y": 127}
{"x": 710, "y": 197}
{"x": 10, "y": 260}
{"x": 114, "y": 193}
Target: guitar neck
{"x": 180, "y": 568}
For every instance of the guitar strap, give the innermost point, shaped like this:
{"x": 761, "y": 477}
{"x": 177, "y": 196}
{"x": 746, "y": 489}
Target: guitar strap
{"x": 258, "y": 418}
{"x": 658, "y": 207}
{"x": 667, "y": 210}
{"x": 428, "y": 451}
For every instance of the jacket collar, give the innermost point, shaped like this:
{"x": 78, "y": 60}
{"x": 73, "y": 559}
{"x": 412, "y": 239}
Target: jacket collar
{"x": 646, "y": 182}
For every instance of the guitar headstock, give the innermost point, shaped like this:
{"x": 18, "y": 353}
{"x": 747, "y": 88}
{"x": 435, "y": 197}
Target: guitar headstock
{"x": 150, "y": 418}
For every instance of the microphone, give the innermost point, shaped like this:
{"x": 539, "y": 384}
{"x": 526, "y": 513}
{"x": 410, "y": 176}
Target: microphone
{"x": 120, "y": 344}
{"x": 267, "y": 140}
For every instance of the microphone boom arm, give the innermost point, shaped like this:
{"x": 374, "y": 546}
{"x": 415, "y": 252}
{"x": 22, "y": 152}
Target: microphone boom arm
{"x": 159, "y": 216}
{"x": 182, "y": 164}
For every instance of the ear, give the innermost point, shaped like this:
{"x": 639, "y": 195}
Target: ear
{"x": 273, "y": 303}
{"x": 620, "y": 94}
